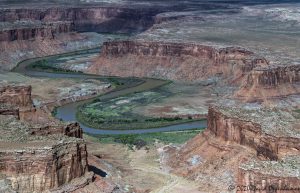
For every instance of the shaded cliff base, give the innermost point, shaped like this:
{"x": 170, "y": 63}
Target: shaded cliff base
{"x": 257, "y": 148}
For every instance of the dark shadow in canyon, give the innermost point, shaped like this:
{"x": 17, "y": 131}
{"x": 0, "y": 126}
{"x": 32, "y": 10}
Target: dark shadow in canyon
{"x": 97, "y": 171}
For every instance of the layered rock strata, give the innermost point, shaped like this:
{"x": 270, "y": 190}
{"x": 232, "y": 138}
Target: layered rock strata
{"x": 93, "y": 18}
{"x": 16, "y": 100}
{"x": 37, "y": 156}
{"x": 264, "y": 131}
{"x": 11, "y": 53}
{"x": 45, "y": 30}
{"x": 253, "y": 150}
{"x": 16, "y": 95}
{"x": 266, "y": 176}
{"x": 175, "y": 61}
{"x": 37, "y": 163}
{"x": 271, "y": 82}
{"x": 254, "y": 77}
{"x": 71, "y": 130}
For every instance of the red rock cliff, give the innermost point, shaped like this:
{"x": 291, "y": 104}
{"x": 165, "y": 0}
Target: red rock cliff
{"x": 175, "y": 61}
{"x": 269, "y": 177}
{"x": 71, "y": 130}
{"x": 16, "y": 95}
{"x": 276, "y": 81}
{"x": 100, "y": 19}
{"x": 47, "y": 30}
{"x": 267, "y": 139}
{"x": 16, "y": 100}
{"x": 42, "y": 166}
{"x": 242, "y": 147}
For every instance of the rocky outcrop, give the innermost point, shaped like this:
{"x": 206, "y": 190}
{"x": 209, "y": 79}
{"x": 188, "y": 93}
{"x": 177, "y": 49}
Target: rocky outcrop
{"x": 16, "y": 95}
{"x": 249, "y": 149}
{"x": 267, "y": 139}
{"x": 93, "y": 18}
{"x": 275, "y": 81}
{"x": 175, "y": 61}
{"x": 35, "y": 169}
{"x": 46, "y": 30}
{"x": 16, "y": 100}
{"x": 265, "y": 176}
{"x": 274, "y": 76}
{"x": 37, "y": 156}
{"x": 71, "y": 130}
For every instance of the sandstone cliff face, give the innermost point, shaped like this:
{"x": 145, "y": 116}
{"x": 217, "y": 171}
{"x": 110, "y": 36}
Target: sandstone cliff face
{"x": 34, "y": 155}
{"x": 266, "y": 176}
{"x": 44, "y": 31}
{"x": 276, "y": 81}
{"x": 277, "y": 75}
{"x": 246, "y": 148}
{"x": 99, "y": 19}
{"x": 252, "y": 134}
{"x": 175, "y": 61}
{"x": 19, "y": 96}
{"x": 42, "y": 168}
{"x": 71, "y": 130}
{"x": 16, "y": 100}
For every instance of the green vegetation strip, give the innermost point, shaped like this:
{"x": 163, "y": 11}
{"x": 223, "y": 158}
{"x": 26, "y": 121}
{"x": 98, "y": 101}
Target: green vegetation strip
{"x": 43, "y": 65}
{"x": 119, "y": 113}
{"x": 141, "y": 140}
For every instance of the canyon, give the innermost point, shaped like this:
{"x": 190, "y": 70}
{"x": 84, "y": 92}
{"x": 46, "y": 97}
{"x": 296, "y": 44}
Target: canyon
{"x": 223, "y": 64}
{"x": 255, "y": 78}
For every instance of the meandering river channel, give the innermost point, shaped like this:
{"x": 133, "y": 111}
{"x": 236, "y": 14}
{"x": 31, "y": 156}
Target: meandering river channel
{"x": 68, "y": 112}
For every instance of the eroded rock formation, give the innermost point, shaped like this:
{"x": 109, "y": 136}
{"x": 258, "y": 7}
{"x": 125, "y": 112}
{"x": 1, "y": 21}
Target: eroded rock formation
{"x": 93, "y": 18}
{"x": 175, "y": 61}
{"x": 268, "y": 139}
{"x": 46, "y": 30}
{"x": 266, "y": 176}
{"x": 16, "y": 100}
{"x": 16, "y": 95}
{"x": 38, "y": 156}
{"x": 36, "y": 163}
{"x": 257, "y": 148}
{"x": 71, "y": 130}
{"x": 274, "y": 81}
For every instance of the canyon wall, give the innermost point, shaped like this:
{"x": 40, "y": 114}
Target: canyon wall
{"x": 38, "y": 153}
{"x": 251, "y": 150}
{"x": 174, "y": 61}
{"x": 271, "y": 77}
{"x": 16, "y": 100}
{"x": 43, "y": 167}
{"x": 16, "y": 95}
{"x": 256, "y": 181}
{"x": 97, "y": 19}
{"x": 71, "y": 130}
{"x": 251, "y": 134}
{"x": 272, "y": 82}
{"x": 47, "y": 30}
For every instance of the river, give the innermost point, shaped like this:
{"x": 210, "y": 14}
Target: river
{"x": 68, "y": 112}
